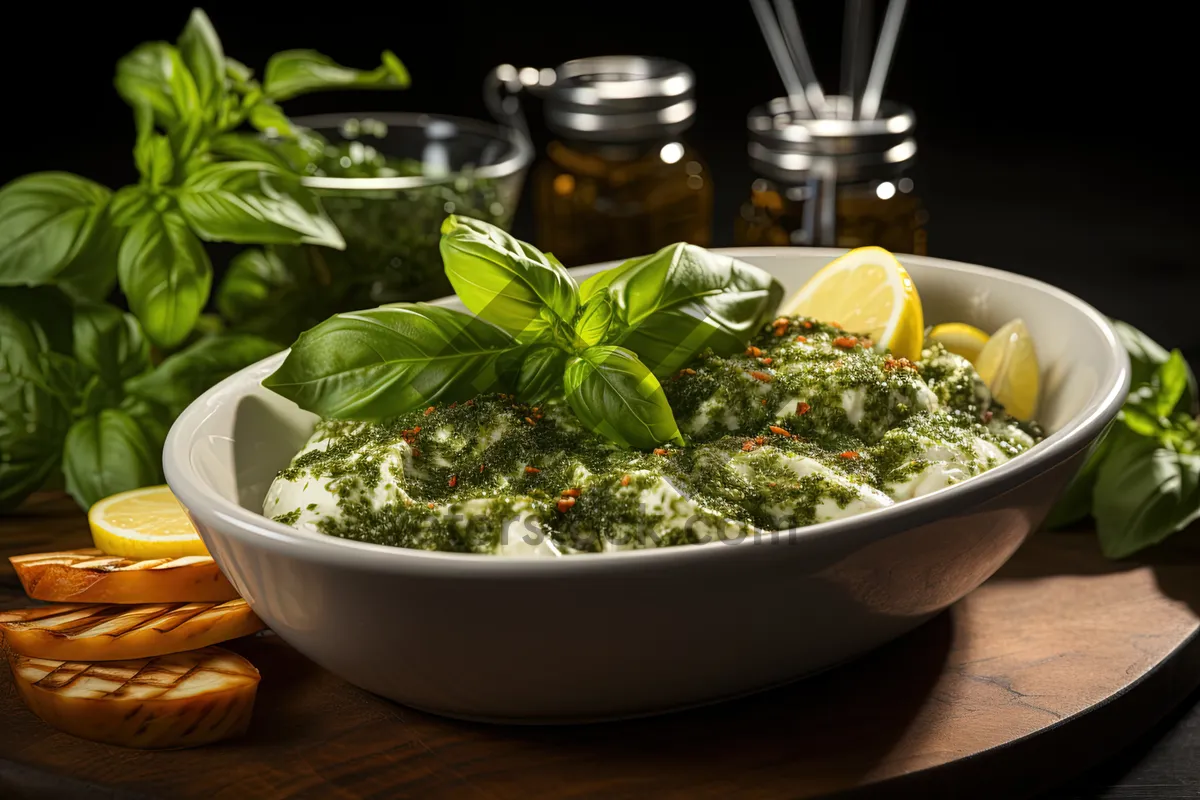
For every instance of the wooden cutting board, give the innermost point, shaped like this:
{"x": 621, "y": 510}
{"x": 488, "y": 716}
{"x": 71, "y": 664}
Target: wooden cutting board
{"x": 1055, "y": 663}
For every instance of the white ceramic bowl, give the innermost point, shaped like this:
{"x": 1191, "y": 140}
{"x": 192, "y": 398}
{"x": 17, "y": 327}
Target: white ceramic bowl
{"x": 609, "y": 635}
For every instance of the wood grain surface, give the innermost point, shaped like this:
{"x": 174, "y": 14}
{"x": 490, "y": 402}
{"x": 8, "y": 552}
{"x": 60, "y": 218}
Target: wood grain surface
{"x": 1051, "y": 666}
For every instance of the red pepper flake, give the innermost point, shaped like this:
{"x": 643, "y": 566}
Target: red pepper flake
{"x": 453, "y": 481}
{"x": 782, "y": 432}
{"x": 624, "y": 480}
{"x": 431, "y": 505}
{"x": 760, "y": 440}
{"x": 532, "y": 470}
{"x": 781, "y": 330}
{"x": 801, "y": 338}
{"x": 570, "y": 493}
{"x": 753, "y": 351}
{"x": 764, "y": 401}
{"x": 481, "y": 467}
{"x": 429, "y": 411}
{"x": 454, "y": 404}
{"x": 835, "y": 325}
{"x": 748, "y": 445}
{"x": 987, "y": 416}
{"x": 771, "y": 484}
{"x": 802, "y": 408}
{"x": 470, "y": 402}
{"x": 761, "y": 376}
{"x": 661, "y": 451}
{"x": 766, "y": 361}
{"x": 808, "y": 325}
{"x": 564, "y": 505}
{"x": 530, "y": 421}
{"x": 417, "y": 429}
{"x": 850, "y": 454}
{"x": 845, "y": 341}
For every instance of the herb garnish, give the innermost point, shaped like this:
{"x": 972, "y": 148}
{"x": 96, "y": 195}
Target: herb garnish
{"x": 535, "y": 334}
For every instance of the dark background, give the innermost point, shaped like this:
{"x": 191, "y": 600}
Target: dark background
{"x": 1054, "y": 139}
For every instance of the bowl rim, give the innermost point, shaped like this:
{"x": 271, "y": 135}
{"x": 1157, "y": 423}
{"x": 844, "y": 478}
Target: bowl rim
{"x": 514, "y": 164}
{"x": 204, "y": 502}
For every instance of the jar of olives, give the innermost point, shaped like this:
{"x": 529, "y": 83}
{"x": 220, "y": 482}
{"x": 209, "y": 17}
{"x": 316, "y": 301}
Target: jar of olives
{"x": 618, "y": 179}
{"x": 833, "y": 181}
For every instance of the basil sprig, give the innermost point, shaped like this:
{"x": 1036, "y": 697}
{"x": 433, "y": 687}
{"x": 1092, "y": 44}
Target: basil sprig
{"x": 81, "y": 395}
{"x": 1141, "y": 482}
{"x": 533, "y": 334}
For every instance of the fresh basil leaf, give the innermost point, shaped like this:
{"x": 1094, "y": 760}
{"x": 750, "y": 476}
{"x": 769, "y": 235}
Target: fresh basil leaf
{"x": 108, "y": 453}
{"x": 202, "y": 54}
{"x": 154, "y": 75}
{"x": 250, "y": 202}
{"x": 389, "y": 360}
{"x": 154, "y": 419}
{"x": 245, "y": 147}
{"x": 506, "y": 281}
{"x": 671, "y": 305}
{"x": 166, "y": 276}
{"x": 595, "y": 319}
{"x": 129, "y": 203}
{"x": 1075, "y": 503}
{"x": 1143, "y": 494}
{"x": 154, "y": 159}
{"x": 1145, "y": 358}
{"x": 35, "y": 324}
{"x": 1140, "y": 422}
{"x": 1170, "y": 382}
{"x": 253, "y": 279}
{"x": 46, "y": 222}
{"x": 239, "y": 77}
{"x": 269, "y": 118}
{"x": 296, "y": 72}
{"x": 617, "y": 396}
{"x": 541, "y": 374}
{"x": 109, "y": 342}
{"x": 185, "y": 375}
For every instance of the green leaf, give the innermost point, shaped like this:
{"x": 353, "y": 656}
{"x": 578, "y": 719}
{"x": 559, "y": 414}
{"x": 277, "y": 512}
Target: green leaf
{"x": 154, "y": 75}
{"x": 108, "y": 453}
{"x": 1076, "y": 500}
{"x": 671, "y": 305}
{"x": 389, "y": 360}
{"x": 594, "y": 321}
{"x": 506, "y": 281}
{"x": 202, "y": 54}
{"x": 1170, "y": 382}
{"x": 129, "y": 204}
{"x": 185, "y": 375}
{"x": 245, "y": 147}
{"x": 1145, "y": 358}
{"x": 255, "y": 203}
{"x": 1143, "y": 494}
{"x": 154, "y": 159}
{"x": 1140, "y": 422}
{"x": 617, "y": 396}
{"x": 109, "y": 342}
{"x": 46, "y": 222}
{"x": 35, "y": 325}
{"x": 239, "y": 77}
{"x": 296, "y": 72}
{"x": 166, "y": 276}
{"x": 269, "y": 118}
{"x": 541, "y": 374}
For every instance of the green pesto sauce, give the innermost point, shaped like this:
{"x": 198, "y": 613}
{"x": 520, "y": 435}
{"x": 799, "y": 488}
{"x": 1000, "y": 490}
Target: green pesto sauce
{"x": 808, "y": 421}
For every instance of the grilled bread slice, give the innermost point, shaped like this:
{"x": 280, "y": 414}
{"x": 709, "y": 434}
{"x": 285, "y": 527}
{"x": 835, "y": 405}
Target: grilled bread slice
{"x": 118, "y": 633}
{"x": 177, "y": 700}
{"x": 91, "y": 576}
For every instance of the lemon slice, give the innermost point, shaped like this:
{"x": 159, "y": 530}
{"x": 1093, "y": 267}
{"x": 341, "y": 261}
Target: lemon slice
{"x": 865, "y": 291}
{"x": 960, "y": 338}
{"x": 1008, "y": 365}
{"x": 144, "y": 523}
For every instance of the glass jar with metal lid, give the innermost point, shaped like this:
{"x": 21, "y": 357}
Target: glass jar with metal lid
{"x": 833, "y": 181}
{"x": 618, "y": 180}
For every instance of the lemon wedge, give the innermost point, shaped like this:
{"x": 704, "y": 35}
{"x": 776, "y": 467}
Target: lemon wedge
{"x": 1008, "y": 365}
{"x": 865, "y": 291}
{"x": 144, "y": 523}
{"x": 960, "y": 338}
